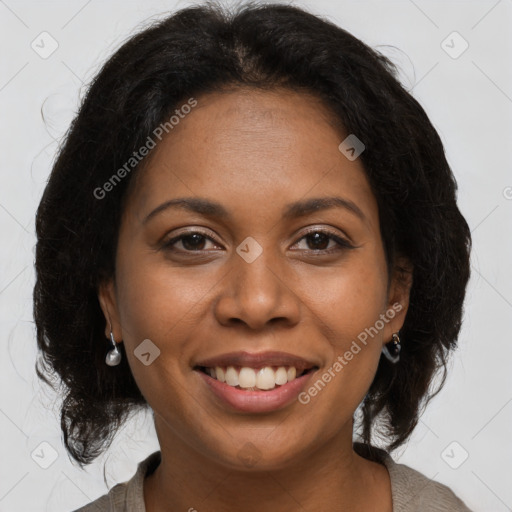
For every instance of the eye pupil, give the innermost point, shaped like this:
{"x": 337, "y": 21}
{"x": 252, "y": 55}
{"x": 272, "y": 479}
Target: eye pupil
{"x": 320, "y": 241}
{"x": 197, "y": 242}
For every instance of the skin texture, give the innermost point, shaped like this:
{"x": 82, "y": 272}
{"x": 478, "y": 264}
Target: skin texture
{"x": 254, "y": 152}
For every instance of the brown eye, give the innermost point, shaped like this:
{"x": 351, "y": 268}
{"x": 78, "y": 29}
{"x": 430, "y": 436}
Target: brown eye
{"x": 192, "y": 241}
{"x": 318, "y": 241}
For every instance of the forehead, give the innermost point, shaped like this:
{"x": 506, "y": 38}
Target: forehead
{"x": 250, "y": 147}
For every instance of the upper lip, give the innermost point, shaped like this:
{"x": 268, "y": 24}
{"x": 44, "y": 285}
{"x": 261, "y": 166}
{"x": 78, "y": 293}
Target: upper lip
{"x": 257, "y": 360}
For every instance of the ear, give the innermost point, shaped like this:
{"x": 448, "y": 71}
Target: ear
{"x": 108, "y": 303}
{"x": 398, "y": 296}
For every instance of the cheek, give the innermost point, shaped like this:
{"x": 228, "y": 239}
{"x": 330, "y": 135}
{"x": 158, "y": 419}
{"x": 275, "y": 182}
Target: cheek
{"x": 162, "y": 304}
{"x": 349, "y": 298}
{"x": 348, "y": 305}
{"x": 337, "y": 389}
{"x": 157, "y": 300}
{"x": 159, "y": 304}
{"x": 363, "y": 300}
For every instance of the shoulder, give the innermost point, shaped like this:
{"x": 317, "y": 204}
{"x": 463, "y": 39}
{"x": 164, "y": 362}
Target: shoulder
{"x": 127, "y": 496}
{"x": 411, "y": 490}
{"x": 414, "y": 491}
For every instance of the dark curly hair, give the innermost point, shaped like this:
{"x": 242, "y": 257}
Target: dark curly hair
{"x": 204, "y": 49}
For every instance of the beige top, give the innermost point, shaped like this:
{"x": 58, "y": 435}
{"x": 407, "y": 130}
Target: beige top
{"x": 411, "y": 490}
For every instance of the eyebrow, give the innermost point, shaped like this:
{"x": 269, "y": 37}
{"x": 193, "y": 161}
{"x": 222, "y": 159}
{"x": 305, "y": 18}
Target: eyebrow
{"x": 297, "y": 209}
{"x": 307, "y": 206}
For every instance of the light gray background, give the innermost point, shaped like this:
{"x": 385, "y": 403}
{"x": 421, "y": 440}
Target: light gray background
{"x": 468, "y": 99}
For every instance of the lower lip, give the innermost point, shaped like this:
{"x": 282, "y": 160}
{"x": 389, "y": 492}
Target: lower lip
{"x": 257, "y": 401}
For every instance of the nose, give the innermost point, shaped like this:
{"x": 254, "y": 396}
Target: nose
{"x": 256, "y": 294}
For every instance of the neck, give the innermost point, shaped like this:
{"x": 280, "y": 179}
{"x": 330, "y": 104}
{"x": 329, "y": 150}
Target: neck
{"x": 330, "y": 477}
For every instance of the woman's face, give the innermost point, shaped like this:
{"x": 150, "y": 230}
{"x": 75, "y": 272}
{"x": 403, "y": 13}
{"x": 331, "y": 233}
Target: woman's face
{"x": 253, "y": 274}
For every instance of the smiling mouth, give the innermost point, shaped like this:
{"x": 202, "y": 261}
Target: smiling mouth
{"x": 255, "y": 379}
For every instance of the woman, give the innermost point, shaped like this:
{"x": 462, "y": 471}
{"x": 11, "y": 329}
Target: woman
{"x": 261, "y": 223}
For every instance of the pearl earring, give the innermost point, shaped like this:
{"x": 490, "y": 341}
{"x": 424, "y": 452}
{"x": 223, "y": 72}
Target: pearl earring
{"x": 113, "y": 357}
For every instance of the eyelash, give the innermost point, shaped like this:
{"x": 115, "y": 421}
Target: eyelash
{"x": 341, "y": 242}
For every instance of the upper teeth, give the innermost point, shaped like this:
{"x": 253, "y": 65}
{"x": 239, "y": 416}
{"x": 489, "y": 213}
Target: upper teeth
{"x": 245, "y": 377}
